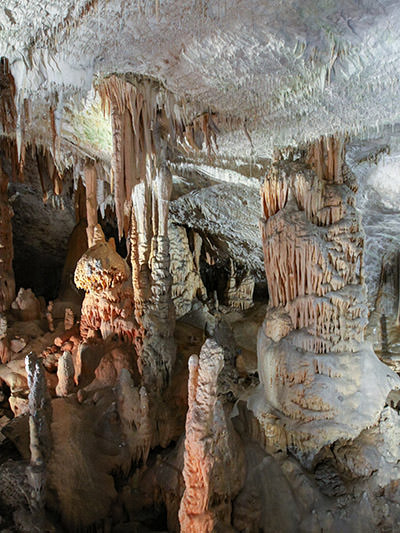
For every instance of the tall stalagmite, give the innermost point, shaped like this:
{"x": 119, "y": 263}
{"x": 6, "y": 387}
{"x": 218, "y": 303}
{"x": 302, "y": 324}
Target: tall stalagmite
{"x": 316, "y": 369}
{"x": 213, "y": 459}
{"x": 39, "y": 430}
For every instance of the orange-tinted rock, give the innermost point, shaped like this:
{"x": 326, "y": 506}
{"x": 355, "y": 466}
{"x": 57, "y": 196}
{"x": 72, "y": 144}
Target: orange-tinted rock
{"x": 26, "y": 306}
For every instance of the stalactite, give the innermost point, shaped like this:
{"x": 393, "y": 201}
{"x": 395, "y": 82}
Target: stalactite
{"x": 147, "y": 121}
{"x": 80, "y": 201}
{"x": 91, "y": 200}
{"x": 8, "y": 111}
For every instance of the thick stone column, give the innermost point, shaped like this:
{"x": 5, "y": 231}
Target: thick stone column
{"x": 318, "y": 375}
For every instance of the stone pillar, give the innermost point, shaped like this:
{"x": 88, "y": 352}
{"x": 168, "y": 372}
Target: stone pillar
{"x": 317, "y": 372}
{"x": 39, "y": 431}
{"x": 151, "y": 276}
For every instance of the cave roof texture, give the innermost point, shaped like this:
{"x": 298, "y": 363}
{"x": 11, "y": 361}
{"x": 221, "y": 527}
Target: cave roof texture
{"x": 277, "y": 73}
{"x": 273, "y": 74}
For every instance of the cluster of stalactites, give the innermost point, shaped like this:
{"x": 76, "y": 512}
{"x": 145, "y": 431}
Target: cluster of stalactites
{"x": 8, "y": 112}
{"x": 144, "y": 121}
{"x": 325, "y": 157}
{"x": 313, "y": 247}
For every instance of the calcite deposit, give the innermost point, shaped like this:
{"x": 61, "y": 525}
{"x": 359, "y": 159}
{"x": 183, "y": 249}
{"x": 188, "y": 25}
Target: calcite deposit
{"x": 105, "y": 277}
{"x": 170, "y": 361}
{"x": 315, "y": 366}
{"x": 7, "y": 282}
{"x": 213, "y": 463}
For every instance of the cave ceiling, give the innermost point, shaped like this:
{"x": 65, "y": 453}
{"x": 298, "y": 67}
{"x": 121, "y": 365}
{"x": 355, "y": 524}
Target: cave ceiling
{"x": 275, "y": 73}
{"x": 271, "y": 73}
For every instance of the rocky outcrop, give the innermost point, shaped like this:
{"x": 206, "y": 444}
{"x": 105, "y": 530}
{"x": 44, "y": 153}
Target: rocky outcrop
{"x": 315, "y": 368}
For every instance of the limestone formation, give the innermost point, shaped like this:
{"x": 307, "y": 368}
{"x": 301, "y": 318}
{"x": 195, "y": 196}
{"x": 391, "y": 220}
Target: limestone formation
{"x": 26, "y": 306}
{"x": 91, "y": 201}
{"x": 108, "y": 305}
{"x": 210, "y": 452}
{"x": 65, "y": 374}
{"x": 49, "y": 315}
{"x": 315, "y": 367}
{"x": 133, "y": 407}
{"x": 239, "y": 290}
{"x": 133, "y": 138}
{"x": 39, "y": 430}
{"x": 187, "y": 285}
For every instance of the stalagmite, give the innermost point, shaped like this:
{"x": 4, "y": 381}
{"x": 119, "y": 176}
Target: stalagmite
{"x": 187, "y": 284}
{"x": 69, "y": 319}
{"x": 108, "y": 305}
{"x": 314, "y": 365}
{"x": 144, "y": 125}
{"x": 239, "y": 290}
{"x": 49, "y": 315}
{"x": 210, "y": 449}
{"x": 7, "y": 282}
{"x": 26, "y": 306}
{"x": 133, "y": 408}
{"x": 158, "y": 351}
{"x": 65, "y": 374}
{"x": 39, "y": 430}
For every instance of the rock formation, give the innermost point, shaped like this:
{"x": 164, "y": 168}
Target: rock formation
{"x": 187, "y": 285}
{"x": 211, "y": 481}
{"x": 39, "y": 431}
{"x": 133, "y": 137}
{"x": 316, "y": 369}
{"x": 26, "y": 306}
{"x": 108, "y": 305}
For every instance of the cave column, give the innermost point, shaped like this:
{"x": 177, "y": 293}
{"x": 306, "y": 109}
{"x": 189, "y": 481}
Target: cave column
{"x": 152, "y": 280}
{"x": 7, "y": 281}
{"x": 91, "y": 200}
{"x": 315, "y": 368}
{"x": 144, "y": 129}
